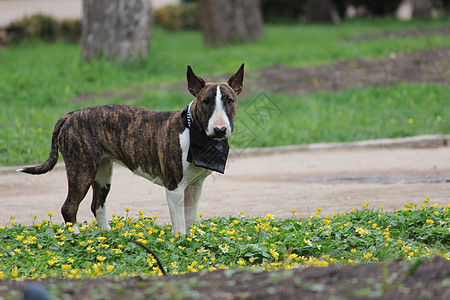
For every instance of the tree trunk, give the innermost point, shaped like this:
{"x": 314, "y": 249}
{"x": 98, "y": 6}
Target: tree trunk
{"x": 230, "y": 21}
{"x": 118, "y": 29}
{"x": 421, "y": 9}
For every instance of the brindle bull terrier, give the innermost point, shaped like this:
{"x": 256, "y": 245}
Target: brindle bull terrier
{"x": 174, "y": 149}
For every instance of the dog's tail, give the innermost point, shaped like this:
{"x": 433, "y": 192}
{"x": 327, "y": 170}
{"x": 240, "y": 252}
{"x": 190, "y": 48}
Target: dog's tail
{"x": 53, "y": 157}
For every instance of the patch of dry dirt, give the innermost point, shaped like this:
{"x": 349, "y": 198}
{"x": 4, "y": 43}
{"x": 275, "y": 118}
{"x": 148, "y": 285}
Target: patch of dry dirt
{"x": 394, "y": 280}
{"x": 422, "y": 66}
{"x": 335, "y": 180}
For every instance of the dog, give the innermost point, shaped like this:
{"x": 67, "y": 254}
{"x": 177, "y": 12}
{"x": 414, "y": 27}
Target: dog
{"x": 174, "y": 149}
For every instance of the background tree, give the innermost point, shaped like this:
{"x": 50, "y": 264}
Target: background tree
{"x": 119, "y": 29}
{"x": 230, "y": 21}
{"x": 422, "y": 9}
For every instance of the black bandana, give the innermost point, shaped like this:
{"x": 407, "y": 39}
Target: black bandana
{"x": 204, "y": 151}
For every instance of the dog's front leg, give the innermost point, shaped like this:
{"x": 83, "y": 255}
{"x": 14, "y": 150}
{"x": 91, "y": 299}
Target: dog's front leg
{"x": 191, "y": 197}
{"x": 175, "y": 200}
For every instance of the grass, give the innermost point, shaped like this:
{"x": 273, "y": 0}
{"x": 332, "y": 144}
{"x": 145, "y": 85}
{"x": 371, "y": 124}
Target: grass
{"x": 362, "y": 235}
{"x": 357, "y": 114}
{"x": 39, "y": 81}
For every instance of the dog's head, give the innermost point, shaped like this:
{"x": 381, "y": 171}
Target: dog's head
{"x": 215, "y": 105}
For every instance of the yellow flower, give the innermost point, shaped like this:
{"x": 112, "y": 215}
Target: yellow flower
{"x": 15, "y": 272}
{"x": 50, "y": 214}
{"x": 101, "y": 258}
{"x": 66, "y": 267}
{"x": 362, "y": 231}
{"x": 352, "y": 210}
{"x": 274, "y": 253}
{"x": 110, "y": 268}
{"x": 19, "y": 237}
{"x": 294, "y": 211}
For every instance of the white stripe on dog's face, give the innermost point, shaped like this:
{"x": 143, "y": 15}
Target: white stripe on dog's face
{"x": 219, "y": 118}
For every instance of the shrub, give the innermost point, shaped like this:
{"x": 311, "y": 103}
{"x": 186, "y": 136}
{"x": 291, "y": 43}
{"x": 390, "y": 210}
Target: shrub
{"x": 70, "y": 30}
{"x": 38, "y": 26}
{"x": 276, "y": 10}
{"x": 378, "y": 7}
{"x": 42, "y": 27}
{"x": 178, "y": 17}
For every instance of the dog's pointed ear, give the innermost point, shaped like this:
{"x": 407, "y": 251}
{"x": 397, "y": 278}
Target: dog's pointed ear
{"x": 235, "y": 81}
{"x": 195, "y": 83}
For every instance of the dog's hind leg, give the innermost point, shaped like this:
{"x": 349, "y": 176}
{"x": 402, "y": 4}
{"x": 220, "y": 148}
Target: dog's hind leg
{"x": 79, "y": 179}
{"x": 100, "y": 188}
{"x": 191, "y": 198}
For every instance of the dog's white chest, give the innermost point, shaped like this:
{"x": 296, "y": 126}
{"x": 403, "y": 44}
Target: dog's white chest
{"x": 191, "y": 173}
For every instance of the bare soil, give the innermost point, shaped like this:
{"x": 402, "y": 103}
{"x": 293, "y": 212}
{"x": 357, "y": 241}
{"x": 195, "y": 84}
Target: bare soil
{"x": 393, "y": 280}
{"x": 430, "y": 65}
{"x": 335, "y": 180}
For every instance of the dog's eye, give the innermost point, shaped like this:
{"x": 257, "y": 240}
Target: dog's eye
{"x": 206, "y": 101}
{"x": 229, "y": 100}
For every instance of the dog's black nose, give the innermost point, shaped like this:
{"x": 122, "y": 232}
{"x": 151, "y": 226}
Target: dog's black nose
{"x": 220, "y": 132}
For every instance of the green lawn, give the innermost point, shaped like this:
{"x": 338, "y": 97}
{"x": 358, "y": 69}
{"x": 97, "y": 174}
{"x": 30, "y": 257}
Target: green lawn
{"x": 39, "y": 81}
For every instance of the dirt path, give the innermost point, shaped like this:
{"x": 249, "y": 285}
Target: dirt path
{"x": 335, "y": 180}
